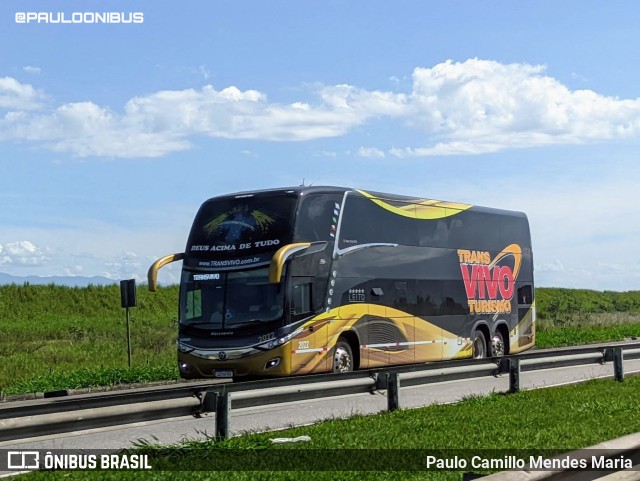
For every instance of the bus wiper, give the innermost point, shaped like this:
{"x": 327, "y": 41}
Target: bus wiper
{"x": 252, "y": 322}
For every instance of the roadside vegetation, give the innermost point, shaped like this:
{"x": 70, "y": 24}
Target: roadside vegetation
{"x": 54, "y": 337}
{"x": 573, "y": 417}
{"x": 569, "y": 317}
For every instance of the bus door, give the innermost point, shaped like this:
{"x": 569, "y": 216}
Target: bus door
{"x": 524, "y": 330}
{"x": 309, "y": 348}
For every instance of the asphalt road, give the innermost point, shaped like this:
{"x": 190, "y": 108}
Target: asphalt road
{"x": 283, "y": 415}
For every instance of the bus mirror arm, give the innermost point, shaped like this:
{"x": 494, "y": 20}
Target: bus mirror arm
{"x": 281, "y": 256}
{"x": 152, "y": 275}
{"x": 313, "y": 248}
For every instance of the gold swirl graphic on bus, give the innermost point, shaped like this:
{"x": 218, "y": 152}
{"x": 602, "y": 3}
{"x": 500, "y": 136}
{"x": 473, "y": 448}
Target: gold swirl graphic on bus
{"x": 424, "y": 209}
{"x": 423, "y": 341}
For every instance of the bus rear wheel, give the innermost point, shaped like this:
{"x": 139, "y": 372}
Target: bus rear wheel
{"x": 342, "y": 357}
{"x": 497, "y": 345}
{"x": 479, "y": 345}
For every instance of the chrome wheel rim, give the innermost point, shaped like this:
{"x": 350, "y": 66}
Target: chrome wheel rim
{"x": 497, "y": 345}
{"x": 341, "y": 360}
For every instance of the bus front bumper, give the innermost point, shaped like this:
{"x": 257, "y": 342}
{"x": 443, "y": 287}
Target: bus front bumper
{"x": 223, "y": 364}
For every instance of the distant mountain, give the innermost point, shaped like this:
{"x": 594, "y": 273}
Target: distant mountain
{"x": 71, "y": 281}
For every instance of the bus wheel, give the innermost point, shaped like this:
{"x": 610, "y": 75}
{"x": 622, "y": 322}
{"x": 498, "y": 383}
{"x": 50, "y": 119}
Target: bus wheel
{"x": 479, "y": 345}
{"x": 497, "y": 345}
{"x": 342, "y": 357}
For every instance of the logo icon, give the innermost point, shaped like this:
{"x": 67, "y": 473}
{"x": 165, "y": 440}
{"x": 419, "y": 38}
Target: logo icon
{"x": 23, "y": 460}
{"x": 222, "y": 355}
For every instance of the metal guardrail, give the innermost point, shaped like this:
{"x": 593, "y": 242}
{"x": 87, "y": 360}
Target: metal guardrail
{"x": 57, "y": 415}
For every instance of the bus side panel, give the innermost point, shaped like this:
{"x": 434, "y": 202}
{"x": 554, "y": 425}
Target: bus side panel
{"x": 308, "y": 352}
{"x": 523, "y": 335}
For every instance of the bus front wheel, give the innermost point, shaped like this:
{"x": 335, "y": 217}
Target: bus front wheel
{"x": 342, "y": 357}
{"x": 479, "y": 345}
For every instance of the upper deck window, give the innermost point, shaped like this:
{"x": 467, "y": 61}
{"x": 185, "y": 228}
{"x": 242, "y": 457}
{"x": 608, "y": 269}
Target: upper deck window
{"x": 242, "y": 226}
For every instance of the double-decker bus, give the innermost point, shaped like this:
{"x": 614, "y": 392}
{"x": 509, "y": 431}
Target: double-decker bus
{"x": 325, "y": 279}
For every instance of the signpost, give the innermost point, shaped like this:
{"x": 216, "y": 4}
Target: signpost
{"x": 128, "y": 299}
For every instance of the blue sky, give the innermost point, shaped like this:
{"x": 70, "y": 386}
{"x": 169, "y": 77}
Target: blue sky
{"x": 111, "y": 135}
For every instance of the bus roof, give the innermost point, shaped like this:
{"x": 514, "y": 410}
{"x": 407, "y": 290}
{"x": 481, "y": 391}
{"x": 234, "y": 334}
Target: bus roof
{"x": 306, "y": 190}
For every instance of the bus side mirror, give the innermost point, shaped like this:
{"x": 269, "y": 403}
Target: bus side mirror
{"x": 280, "y": 257}
{"x": 152, "y": 275}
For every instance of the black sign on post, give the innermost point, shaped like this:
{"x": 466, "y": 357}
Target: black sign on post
{"x": 127, "y": 300}
{"x": 128, "y": 293}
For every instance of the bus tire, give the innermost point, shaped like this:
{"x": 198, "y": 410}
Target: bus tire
{"x": 479, "y": 345}
{"x": 497, "y": 345}
{"x": 342, "y": 357}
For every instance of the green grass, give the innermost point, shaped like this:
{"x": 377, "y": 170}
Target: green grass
{"x": 565, "y": 305}
{"x": 573, "y": 336}
{"x": 585, "y": 328}
{"x": 54, "y": 337}
{"x": 545, "y": 421}
{"x": 103, "y": 377}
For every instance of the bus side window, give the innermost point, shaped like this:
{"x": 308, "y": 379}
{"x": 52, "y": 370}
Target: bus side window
{"x": 524, "y": 294}
{"x": 194, "y": 304}
{"x": 317, "y": 216}
{"x": 300, "y": 298}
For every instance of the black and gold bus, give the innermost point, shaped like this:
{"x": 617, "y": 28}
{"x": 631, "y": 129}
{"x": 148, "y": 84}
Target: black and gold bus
{"x": 326, "y": 279}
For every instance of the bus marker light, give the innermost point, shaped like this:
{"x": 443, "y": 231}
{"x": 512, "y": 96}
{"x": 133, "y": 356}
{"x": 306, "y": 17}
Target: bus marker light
{"x": 272, "y": 363}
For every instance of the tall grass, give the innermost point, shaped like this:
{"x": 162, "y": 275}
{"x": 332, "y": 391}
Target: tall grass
{"x": 559, "y": 307}
{"x": 50, "y": 335}
{"x": 55, "y": 337}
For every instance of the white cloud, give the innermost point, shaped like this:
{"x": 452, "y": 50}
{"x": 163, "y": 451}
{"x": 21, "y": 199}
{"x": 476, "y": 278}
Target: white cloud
{"x": 17, "y": 96}
{"x": 32, "y": 70}
{"x": 447, "y": 148}
{"x": 328, "y": 153}
{"x": 127, "y": 265}
{"x": 460, "y": 108}
{"x": 482, "y": 106}
{"x": 370, "y": 152}
{"x": 554, "y": 266}
{"x": 204, "y": 72}
{"x": 23, "y": 253}
{"x": 75, "y": 270}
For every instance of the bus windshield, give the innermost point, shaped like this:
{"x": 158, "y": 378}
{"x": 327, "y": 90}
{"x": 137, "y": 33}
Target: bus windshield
{"x": 229, "y": 300}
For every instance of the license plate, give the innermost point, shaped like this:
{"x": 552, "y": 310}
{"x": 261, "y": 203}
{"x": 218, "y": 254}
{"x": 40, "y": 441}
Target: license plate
{"x": 223, "y": 373}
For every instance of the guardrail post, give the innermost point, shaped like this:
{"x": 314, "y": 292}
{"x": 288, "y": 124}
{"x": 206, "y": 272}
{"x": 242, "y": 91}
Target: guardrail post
{"x": 209, "y": 402}
{"x": 393, "y": 391}
{"x": 618, "y": 367}
{"x": 514, "y": 375}
{"x": 223, "y": 416}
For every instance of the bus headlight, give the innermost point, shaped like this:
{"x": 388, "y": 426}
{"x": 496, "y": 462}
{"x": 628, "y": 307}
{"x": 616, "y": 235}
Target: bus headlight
{"x": 273, "y": 343}
{"x": 184, "y": 347}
